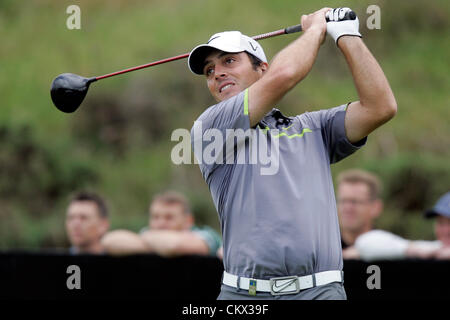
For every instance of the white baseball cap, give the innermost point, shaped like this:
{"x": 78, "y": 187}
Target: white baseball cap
{"x": 228, "y": 41}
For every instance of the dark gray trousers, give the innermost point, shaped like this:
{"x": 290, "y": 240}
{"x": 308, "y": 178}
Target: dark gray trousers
{"x": 331, "y": 291}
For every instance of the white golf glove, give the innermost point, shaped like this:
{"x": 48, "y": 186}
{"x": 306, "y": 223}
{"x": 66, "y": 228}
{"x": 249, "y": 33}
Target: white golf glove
{"x": 337, "y": 27}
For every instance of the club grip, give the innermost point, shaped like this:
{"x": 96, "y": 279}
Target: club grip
{"x": 349, "y": 15}
{"x": 293, "y": 29}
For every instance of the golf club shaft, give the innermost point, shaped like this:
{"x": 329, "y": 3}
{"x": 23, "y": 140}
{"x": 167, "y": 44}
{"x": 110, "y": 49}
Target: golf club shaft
{"x": 292, "y": 29}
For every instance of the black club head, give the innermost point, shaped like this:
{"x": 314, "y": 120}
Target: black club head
{"x": 68, "y": 91}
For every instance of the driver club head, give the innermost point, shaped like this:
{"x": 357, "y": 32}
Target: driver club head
{"x": 68, "y": 91}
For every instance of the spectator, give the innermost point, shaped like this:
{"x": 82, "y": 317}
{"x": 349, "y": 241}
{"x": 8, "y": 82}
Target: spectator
{"x": 357, "y": 210}
{"x": 170, "y": 232}
{"x": 359, "y": 204}
{"x": 441, "y": 213}
{"x": 377, "y": 245}
{"x": 86, "y": 222}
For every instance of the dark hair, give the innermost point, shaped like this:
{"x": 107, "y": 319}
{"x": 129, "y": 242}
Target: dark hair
{"x": 90, "y": 196}
{"x": 360, "y": 176}
{"x": 256, "y": 62}
{"x": 173, "y": 197}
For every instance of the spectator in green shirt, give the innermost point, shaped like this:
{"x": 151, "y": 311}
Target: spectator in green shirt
{"x": 170, "y": 232}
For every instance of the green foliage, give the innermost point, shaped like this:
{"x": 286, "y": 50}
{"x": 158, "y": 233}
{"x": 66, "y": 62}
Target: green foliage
{"x": 34, "y": 178}
{"x": 118, "y": 142}
{"x": 31, "y": 170}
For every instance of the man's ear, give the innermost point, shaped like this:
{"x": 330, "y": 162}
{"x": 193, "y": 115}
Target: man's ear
{"x": 377, "y": 208}
{"x": 104, "y": 226}
{"x": 189, "y": 221}
{"x": 263, "y": 66}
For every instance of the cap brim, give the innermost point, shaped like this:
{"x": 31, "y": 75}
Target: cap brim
{"x": 197, "y": 58}
{"x": 198, "y": 55}
{"x": 430, "y": 214}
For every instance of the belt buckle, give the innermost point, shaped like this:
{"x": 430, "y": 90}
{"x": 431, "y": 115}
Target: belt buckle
{"x": 277, "y": 285}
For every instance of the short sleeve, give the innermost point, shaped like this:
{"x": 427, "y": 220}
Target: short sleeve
{"x": 211, "y": 238}
{"x": 332, "y": 126}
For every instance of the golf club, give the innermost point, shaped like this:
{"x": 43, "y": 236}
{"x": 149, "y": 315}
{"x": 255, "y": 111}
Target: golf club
{"x": 68, "y": 90}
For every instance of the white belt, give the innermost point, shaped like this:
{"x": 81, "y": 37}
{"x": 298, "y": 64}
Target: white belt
{"x": 283, "y": 285}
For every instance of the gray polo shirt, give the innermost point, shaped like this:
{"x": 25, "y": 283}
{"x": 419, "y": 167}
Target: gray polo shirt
{"x": 284, "y": 223}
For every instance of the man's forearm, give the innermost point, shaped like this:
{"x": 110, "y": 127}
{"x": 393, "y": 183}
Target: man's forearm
{"x": 295, "y": 61}
{"x": 160, "y": 241}
{"x": 172, "y": 243}
{"x": 371, "y": 83}
{"x": 288, "y": 68}
{"x": 122, "y": 242}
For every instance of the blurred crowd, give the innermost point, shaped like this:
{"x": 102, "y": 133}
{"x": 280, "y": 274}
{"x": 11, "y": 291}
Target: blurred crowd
{"x": 171, "y": 229}
{"x": 359, "y": 204}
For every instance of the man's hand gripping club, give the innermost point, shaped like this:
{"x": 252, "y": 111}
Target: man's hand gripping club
{"x": 341, "y": 23}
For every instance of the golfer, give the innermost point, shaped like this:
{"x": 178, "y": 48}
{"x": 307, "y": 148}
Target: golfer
{"x": 280, "y": 232}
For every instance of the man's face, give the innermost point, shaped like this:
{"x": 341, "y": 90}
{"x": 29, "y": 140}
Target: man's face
{"x": 164, "y": 216}
{"x": 442, "y": 230}
{"x": 84, "y": 225}
{"x": 227, "y": 74}
{"x": 356, "y": 210}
